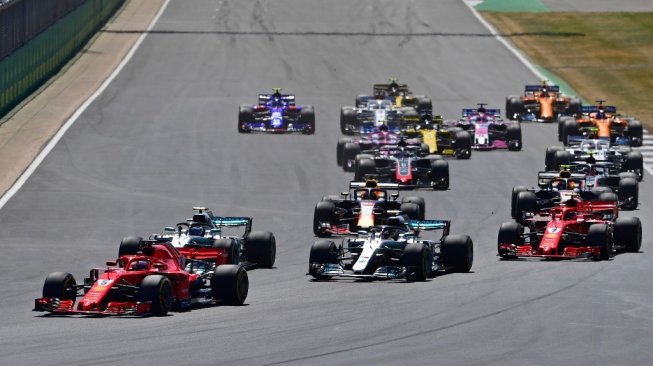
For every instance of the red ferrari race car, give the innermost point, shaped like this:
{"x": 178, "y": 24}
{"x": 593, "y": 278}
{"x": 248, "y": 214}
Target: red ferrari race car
{"x": 153, "y": 282}
{"x": 575, "y": 229}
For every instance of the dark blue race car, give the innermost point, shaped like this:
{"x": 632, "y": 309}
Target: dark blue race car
{"x": 276, "y": 113}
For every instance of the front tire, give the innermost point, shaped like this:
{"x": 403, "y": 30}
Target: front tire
{"x": 230, "y": 284}
{"x": 156, "y": 289}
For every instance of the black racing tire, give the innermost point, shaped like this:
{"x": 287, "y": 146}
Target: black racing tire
{"x": 349, "y": 152}
{"x": 424, "y": 105}
{"x": 514, "y": 108}
{"x": 549, "y": 158}
{"x": 509, "y": 103}
{"x": 230, "y": 284}
{"x": 636, "y": 133}
{"x": 60, "y": 285}
{"x": 513, "y": 198}
{"x": 632, "y": 175}
{"x": 364, "y": 167}
{"x": 261, "y": 248}
{"x": 230, "y": 247}
{"x": 347, "y": 117}
{"x": 360, "y": 98}
{"x": 628, "y": 192}
{"x": 627, "y": 233}
{"x": 341, "y": 146}
{"x": 439, "y": 174}
{"x": 574, "y": 107}
{"x": 245, "y": 115}
{"x": 509, "y": 233}
{"x": 526, "y": 202}
{"x": 418, "y": 259}
{"x": 130, "y": 245}
{"x": 513, "y": 137}
{"x": 419, "y": 201}
{"x": 307, "y": 117}
{"x": 156, "y": 289}
{"x": 608, "y": 197}
{"x": 570, "y": 128}
{"x": 599, "y": 235}
{"x": 634, "y": 163}
{"x": 424, "y": 149}
{"x": 458, "y": 253}
{"x": 463, "y": 144}
{"x": 325, "y": 211}
{"x": 412, "y": 210}
{"x": 322, "y": 252}
{"x": 561, "y": 158}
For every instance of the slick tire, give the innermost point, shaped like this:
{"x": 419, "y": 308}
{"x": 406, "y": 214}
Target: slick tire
{"x": 364, "y": 167}
{"x": 245, "y": 115}
{"x": 307, "y": 118}
{"x": 230, "y": 248}
{"x": 509, "y": 233}
{"x": 325, "y": 211}
{"x": 549, "y": 158}
{"x": 418, "y": 259}
{"x": 322, "y": 252}
{"x": 419, "y": 201}
{"x": 627, "y": 233}
{"x": 458, "y": 253}
{"x": 156, "y": 289}
{"x": 599, "y": 235}
{"x": 439, "y": 174}
{"x": 60, "y": 285}
{"x": 130, "y": 245}
{"x": 261, "y": 248}
{"x": 412, "y": 210}
{"x": 230, "y": 284}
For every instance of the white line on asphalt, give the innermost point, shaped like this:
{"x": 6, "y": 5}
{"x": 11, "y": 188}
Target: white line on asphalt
{"x": 53, "y": 142}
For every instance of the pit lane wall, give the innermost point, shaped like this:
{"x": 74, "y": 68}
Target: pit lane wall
{"x": 45, "y": 43}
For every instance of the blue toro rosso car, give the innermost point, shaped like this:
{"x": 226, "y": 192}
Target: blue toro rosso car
{"x": 276, "y": 113}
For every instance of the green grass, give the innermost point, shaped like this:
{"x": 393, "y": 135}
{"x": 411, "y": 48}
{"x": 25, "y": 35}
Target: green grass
{"x": 600, "y": 55}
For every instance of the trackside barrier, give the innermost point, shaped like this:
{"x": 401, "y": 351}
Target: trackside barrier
{"x": 28, "y": 67}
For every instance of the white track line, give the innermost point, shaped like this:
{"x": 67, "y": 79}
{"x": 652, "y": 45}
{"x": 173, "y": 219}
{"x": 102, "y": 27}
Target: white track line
{"x": 470, "y": 4}
{"x": 62, "y": 130}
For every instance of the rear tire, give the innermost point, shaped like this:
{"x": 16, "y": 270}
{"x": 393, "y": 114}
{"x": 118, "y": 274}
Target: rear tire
{"x": 412, "y": 210}
{"x": 463, "y": 145}
{"x": 230, "y": 284}
{"x": 526, "y": 202}
{"x": 513, "y": 200}
{"x": 419, "y": 201}
{"x": 570, "y": 128}
{"x": 349, "y": 152}
{"x": 230, "y": 248}
{"x": 130, "y": 245}
{"x": 549, "y": 159}
{"x": 513, "y": 137}
{"x": 347, "y": 118}
{"x": 635, "y": 132}
{"x": 341, "y": 146}
{"x": 364, "y": 167}
{"x": 628, "y": 192}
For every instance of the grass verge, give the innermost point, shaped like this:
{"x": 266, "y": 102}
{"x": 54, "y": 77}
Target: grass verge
{"x": 600, "y": 55}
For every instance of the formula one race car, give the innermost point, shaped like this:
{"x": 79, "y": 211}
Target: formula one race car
{"x": 622, "y": 157}
{"x": 276, "y": 113}
{"x": 488, "y": 130}
{"x": 348, "y": 148}
{"x": 541, "y": 103}
{"x": 393, "y": 251}
{"x": 203, "y": 237}
{"x": 372, "y": 113}
{"x": 575, "y": 229}
{"x": 366, "y": 204}
{"x": 154, "y": 281}
{"x": 559, "y": 187}
{"x": 405, "y": 165}
{"x": 440, "y": 139}
{"x": 603, "y": 122}
{"x": 400, "y": 96}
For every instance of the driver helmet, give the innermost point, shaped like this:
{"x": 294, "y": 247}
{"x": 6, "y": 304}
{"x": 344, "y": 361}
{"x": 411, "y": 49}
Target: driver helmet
{"x": 139, "y": 265}
{"x": 383, "y": 128}
{"x": 601, "y": 113}
{"x": 559, "y": 184}
{"x": 196, "y": 231}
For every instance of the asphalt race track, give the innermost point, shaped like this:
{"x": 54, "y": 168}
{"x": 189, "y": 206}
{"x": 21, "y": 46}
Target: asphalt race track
{"x": 163, "y": 138}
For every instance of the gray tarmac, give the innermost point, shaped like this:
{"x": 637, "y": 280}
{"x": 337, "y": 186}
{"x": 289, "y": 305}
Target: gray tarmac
{"x": 163, "y": 138}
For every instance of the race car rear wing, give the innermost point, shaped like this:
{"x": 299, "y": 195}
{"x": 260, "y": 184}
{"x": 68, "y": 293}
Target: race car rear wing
{"x": 471, "y": 111}
{"x": 538, "y": 87}
{"x": 384, "y": 87}
{"x": 594, "y": 109}
{"x": 425, "y": 225}
{"x": 288, "y": 98}
{"x": 233, "y": 221}
{"x": 353, "y": 184}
